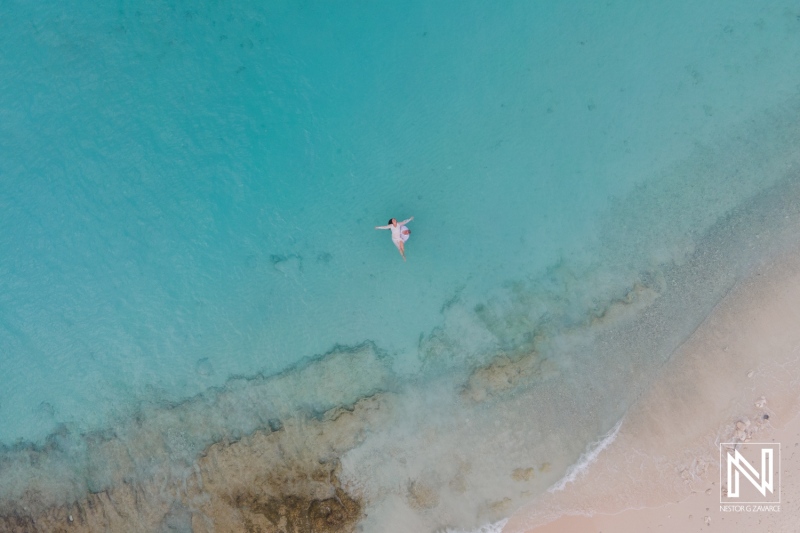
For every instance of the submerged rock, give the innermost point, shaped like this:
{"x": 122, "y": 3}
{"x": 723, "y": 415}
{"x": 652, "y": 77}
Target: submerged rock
{"x": 422, "y": 496}
{"x": 273, "y": 481}
{"x": 505, "y": 374}
{"x": 523, "y": 474}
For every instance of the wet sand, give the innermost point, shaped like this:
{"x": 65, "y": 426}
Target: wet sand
{"x": 734, "y": 380}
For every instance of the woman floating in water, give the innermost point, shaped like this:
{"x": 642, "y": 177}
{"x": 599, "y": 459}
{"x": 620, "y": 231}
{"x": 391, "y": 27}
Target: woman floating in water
{"x": 400, "y": 233}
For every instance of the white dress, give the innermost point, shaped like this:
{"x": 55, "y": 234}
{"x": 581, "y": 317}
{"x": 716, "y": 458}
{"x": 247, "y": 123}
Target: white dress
{"x": 397, "y": 231}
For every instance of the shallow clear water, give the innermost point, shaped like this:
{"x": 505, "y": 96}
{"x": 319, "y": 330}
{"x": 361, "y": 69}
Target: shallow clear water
{"x": 189, "y": 193}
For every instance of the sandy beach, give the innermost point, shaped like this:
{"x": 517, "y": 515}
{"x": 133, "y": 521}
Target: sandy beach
{"x": 734, "y": 380}
{"x": 700, "y": 510}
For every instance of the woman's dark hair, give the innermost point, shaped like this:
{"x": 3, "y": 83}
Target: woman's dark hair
{"x": 390, "y": 221}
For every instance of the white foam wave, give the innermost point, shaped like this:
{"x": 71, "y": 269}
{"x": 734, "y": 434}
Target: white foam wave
{"x": 496, "y": 527}
{"x": 586, "y": 459}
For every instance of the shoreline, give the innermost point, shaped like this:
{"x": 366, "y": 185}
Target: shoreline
{"x": 700, "y": 510}
{"x": 734, "y": 380}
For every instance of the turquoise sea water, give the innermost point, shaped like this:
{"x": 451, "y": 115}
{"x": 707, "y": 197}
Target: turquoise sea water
{"x": 188, "y": 195}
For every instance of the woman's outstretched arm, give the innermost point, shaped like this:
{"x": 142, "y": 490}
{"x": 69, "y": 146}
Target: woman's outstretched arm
{"x": 406, "y": 221}
{"x": 383, "y": 227}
